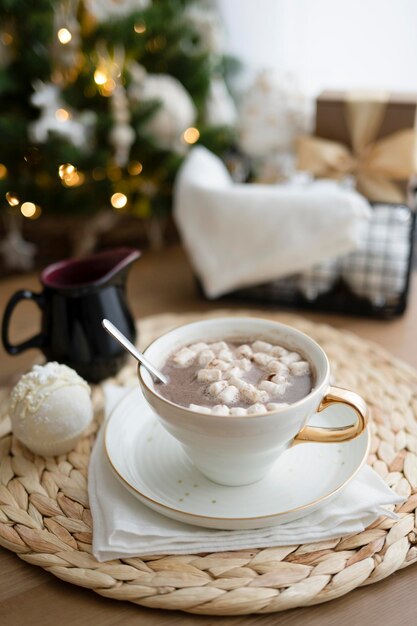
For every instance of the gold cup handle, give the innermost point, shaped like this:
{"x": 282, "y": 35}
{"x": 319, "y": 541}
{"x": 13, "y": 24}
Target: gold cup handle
{"x": 335, "y": 395}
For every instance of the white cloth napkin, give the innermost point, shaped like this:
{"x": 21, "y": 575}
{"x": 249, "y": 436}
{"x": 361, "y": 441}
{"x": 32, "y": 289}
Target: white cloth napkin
{"x": 239, "y": 235}
{"x": 124, "y": 527}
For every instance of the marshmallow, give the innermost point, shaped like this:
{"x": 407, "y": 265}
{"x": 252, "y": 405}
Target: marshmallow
{"x": 262, "y": 359}
{"x": 281, "y": 387}
{"x": 291, "y": 357}
{"x": 237, "y": 382}
{"x": 209, "y": 376}
{"x": 246, "y": 389}
{"x": 279, "y": 351}
{"x": 184, "y": 357}
{"x": 244, "y": 350}
{"x": 235, "y": 372}
{"x": 220, "y": 409}
{"x": 300, "y": 368}
{"x": 216, "y": 388}
{"x": 244, "y": 364}
{"x": 220, "y": 365}
{"x": 270, "y": 387}
{"x": 252, "y": 394}
{"x": 279, "y": 379}
{"x": 219, "y": 345}
{"x": 256, "y": 408}
{"x": 238, "y": 411}
{"x": 229, "y": 395}
{"x": 276, "y": 367}
{"x": 205, "y": 357}
{"x": 263, "y": 396}
{"x": 198, "y": 347}
{"x": 261, "y": 346}
{"x": 200, "y": 409}
{"x": 276, "y": 406}
{"x": 226, "y": 355}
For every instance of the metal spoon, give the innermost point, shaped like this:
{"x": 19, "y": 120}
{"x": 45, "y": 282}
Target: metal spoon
{"x": 124, "y": 341}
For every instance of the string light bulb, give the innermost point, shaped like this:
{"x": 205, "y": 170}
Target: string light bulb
{"x": 108, "y": 88}
{"x": 74, "y": 180}
{"x": 12, "y": 198}
{"x": 3, "y": 171}
{"x": 65, "y": 170}
{"x": 118, "y": 200}
{"x": 64, "y": 36}
{"x": 134, "y": 168}
{"x": 28, "y": 209}
{"x": 31, "y": 210}
{"x": 191, "y": 135}
{"x": 70, "y": 176}
{"x": 139, "y": 27}
{"x": 62, "y": 115}
{"x": 100, "y": 77}
{"x": 103, "y": 79}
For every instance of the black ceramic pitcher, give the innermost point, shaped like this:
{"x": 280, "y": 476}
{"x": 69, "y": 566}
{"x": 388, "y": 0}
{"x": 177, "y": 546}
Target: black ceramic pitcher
{"x": 77, "y": 294}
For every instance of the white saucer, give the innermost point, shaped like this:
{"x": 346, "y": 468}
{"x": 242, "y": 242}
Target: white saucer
{"x": 153, "y": 467}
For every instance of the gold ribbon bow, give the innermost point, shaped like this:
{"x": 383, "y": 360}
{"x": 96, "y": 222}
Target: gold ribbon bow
{"x": 375, "y": 164}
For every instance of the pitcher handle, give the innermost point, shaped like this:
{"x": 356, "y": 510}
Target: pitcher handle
{"x": 335, "y": 395}
{"x": 38, "y": 341}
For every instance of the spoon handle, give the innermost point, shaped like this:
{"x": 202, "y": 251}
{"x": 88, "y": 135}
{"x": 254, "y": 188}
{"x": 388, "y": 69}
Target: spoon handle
{"x": 116, "y": 334}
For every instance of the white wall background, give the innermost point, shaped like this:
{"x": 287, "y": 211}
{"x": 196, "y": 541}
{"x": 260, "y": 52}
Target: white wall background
{"x": 328, "y": 43}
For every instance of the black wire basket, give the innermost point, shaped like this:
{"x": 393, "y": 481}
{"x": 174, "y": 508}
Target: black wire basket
{"x": 372, "y": 281}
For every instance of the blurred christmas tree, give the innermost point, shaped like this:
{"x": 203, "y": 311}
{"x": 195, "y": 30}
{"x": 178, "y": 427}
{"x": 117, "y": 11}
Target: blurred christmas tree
{"x": 100, "y": 101}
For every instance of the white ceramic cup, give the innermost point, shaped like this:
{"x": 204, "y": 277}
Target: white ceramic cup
{"x": 233, "y": 450}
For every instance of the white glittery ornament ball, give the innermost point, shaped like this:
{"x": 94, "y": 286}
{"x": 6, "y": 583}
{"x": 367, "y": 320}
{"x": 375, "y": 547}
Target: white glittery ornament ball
{"x": 50, "y": 407}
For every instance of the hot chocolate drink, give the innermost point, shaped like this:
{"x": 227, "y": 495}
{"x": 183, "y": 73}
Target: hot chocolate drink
{"x": 236, "y": 377}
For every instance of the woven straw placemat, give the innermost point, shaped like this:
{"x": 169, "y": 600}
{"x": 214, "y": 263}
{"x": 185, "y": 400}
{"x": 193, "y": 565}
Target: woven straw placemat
{"x": 45, "y": 517}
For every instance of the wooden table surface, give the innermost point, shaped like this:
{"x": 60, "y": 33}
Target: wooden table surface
{"x": 159, "y": 283}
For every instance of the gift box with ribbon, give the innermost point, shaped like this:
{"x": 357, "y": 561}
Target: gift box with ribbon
{"x": 370, "y": 136}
